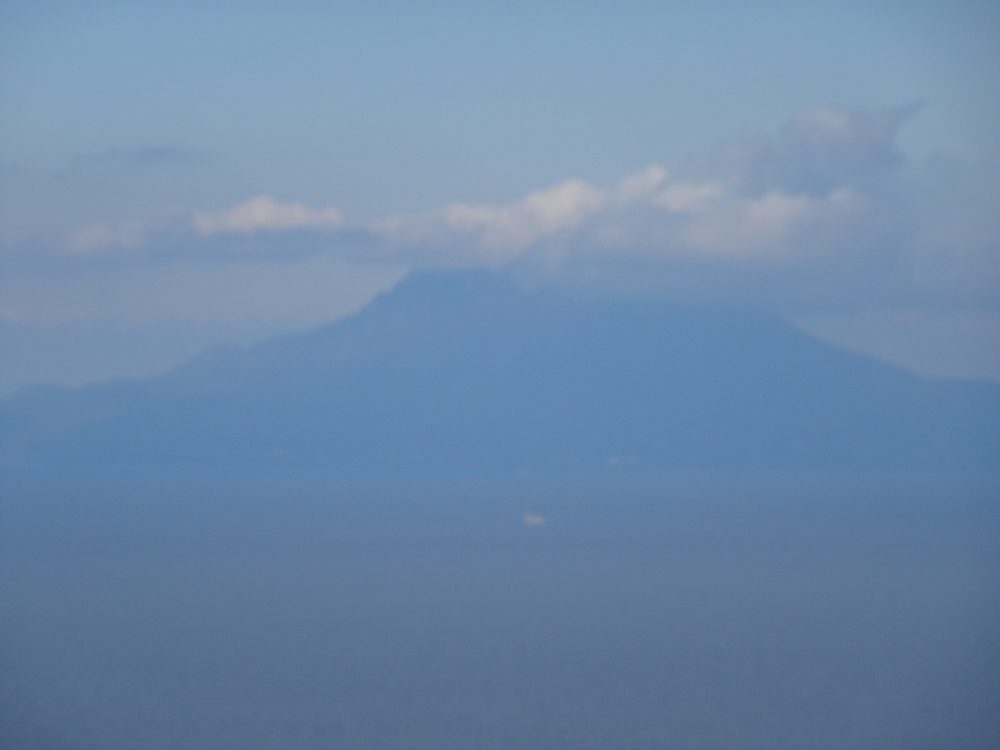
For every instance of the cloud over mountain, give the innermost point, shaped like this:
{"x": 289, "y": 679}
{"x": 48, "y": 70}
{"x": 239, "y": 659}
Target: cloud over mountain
{"x": 825, "y": 210}
{"x": 825, "y": 216}
{"x": 761, "y": 197}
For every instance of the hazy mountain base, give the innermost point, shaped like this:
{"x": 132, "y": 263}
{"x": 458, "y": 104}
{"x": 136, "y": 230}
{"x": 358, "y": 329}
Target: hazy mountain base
{"x": 711, "y": 611}
{"x": 463, "y": 376}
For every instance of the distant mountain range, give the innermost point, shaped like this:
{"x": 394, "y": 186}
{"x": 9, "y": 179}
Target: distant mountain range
{"x": 466, "y": 374}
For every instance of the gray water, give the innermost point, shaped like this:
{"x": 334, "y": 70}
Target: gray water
{"x": 783, "y": 615}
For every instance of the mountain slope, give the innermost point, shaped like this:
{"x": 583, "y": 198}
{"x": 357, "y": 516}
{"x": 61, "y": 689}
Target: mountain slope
{"x": 469, "y": 372}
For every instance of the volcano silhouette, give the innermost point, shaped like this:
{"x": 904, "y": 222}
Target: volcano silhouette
{"x": 464, "y": 373}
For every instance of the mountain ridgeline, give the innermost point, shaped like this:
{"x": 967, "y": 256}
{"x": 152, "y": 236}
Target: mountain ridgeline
{"x": 467, "y": 374}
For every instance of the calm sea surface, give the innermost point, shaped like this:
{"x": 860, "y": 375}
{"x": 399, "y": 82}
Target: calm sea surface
{"x": 712, "y": 614}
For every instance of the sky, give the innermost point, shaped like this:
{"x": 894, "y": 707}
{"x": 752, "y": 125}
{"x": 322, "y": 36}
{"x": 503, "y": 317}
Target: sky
{"x": 176, "y": 177}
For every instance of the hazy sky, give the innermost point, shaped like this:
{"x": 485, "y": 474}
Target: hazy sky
{"x": 175, "y": 176}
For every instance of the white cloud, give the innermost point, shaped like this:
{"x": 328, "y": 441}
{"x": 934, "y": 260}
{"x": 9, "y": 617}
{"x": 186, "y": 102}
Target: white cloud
{"x": 693, "y": 197}
{"x": 818, "y": 151}
{"x": 848, "y": 130}
{"x": 265, "y": 213}
{"x": 497, "y": 233}
{"x": 642, "y": 184}
{"x": 824, "y": 209}
{"x": 773, "y": 224}
{"x": 816, "y": 186}
{"x": 99, "y": 239}
{"x": 825, "y": 212}
{"x": 646, "y": 214}
{"x": 183, "y": 232}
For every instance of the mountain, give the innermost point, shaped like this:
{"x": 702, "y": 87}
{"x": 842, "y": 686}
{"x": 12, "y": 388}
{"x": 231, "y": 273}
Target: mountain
{"x": 473, "y": 373}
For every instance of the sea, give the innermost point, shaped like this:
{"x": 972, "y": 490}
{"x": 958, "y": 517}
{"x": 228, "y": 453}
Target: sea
{"x": 709, "y": 612}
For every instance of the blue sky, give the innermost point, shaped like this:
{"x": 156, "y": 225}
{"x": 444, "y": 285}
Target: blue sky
{"x": 174, "y": 176}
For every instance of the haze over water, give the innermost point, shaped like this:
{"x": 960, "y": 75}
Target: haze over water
{"x": 776, "y": 612}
